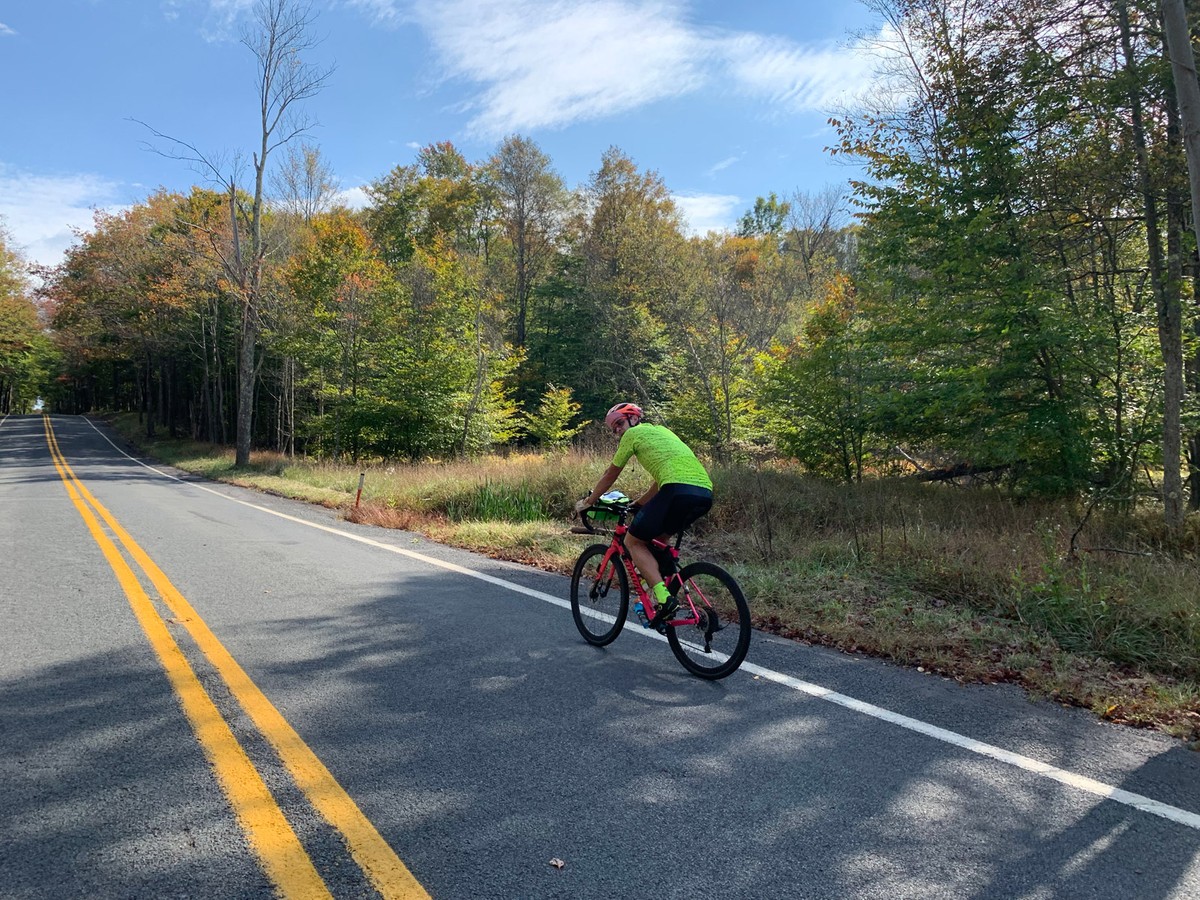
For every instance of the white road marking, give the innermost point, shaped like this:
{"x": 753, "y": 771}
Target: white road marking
{"x": 1026, "y": 763}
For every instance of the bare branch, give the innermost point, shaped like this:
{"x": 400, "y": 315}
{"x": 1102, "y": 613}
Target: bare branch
{"x": 211, "y": 167}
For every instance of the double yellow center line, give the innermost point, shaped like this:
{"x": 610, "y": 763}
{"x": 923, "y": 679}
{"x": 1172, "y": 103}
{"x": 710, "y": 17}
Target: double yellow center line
{"x": 272, "y": 838}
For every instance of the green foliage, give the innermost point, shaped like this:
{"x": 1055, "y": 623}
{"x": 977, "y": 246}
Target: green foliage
{"x": 490, "y": 417}
{"x": 726, "y": 316}
{"x": 338, "y": 333}
{"x": 27, "y": 360}
{"x": 551, "y": 424}
{"x": 531, "y": 206}
{"x": 434, "y": 204}
{"x": 503, "y": 502}
{"x": 632, "y": 264}
{"x": 997, "y": 339}
{"x": 767, "y": 217}
{"x": 822, "y": 390}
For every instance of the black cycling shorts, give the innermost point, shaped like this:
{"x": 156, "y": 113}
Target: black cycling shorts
{"x": 671, "y": 510}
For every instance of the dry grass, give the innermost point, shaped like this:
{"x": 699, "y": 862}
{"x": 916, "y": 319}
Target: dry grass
{"x": 967, "y": 584}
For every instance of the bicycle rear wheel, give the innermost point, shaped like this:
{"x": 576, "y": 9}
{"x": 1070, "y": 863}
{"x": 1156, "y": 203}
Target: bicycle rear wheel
{"x": 599, "y": 600}
{"x": 716, "y": 645}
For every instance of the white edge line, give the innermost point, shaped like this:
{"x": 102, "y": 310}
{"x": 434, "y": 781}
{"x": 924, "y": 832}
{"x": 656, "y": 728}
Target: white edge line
{"x": 1028, "y": 764}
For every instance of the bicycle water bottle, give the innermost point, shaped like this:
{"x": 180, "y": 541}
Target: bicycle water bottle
{"x": 641, "y": 614}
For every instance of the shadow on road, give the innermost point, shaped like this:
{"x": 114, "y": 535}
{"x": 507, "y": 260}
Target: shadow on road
{"x": 484, "y": 738}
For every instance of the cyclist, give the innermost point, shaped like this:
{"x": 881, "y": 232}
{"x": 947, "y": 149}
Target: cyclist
{"x": 681, "y": 493}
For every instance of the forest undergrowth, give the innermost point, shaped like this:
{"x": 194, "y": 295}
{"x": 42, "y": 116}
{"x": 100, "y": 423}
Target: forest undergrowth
{"x": 1095, "y": 610}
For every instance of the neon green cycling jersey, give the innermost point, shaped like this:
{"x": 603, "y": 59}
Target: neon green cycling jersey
{"x": 661, "y": 453}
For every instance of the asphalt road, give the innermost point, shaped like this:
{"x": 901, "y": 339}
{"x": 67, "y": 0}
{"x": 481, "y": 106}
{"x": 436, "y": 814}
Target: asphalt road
{"x": 459, "y": 723}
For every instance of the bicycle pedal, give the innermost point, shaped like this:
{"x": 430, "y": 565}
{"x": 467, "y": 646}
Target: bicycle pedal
{"x": 663, "y": 614}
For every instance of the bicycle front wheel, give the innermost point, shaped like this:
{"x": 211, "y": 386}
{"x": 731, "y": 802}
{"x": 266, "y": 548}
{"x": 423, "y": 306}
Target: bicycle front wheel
{"x": 716, "y": 645}
{"x": 599, "y": 597}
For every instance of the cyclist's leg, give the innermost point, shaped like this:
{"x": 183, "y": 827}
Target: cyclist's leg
{"x": 674, "y": 507}
{"x": 643, "y": 559}
{"x": 688, "y": 506}
{"x": 645, "y": 527}
{"x": 691, "y": 505}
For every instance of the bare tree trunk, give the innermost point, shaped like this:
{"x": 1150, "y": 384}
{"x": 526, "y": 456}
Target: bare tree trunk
{"x": 1187, "y": 90}
{"x": 1166, "y": 294}
{"x": 148, "y": 395}
{"x": 207, "y": 410}
{"x": 245, "y": 387}
{"x": 289, "y": 395}
{"x": 166, "y": 385}
{"x": 283, "y": 81}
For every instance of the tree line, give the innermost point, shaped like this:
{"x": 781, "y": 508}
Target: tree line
{"x": 27, "y": 356}
{"x": 464, "y": 306}
{"x": 1015, "y": 298}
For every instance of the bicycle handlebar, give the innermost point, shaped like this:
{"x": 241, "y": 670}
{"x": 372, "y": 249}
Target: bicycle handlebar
{"x": 622, "y": 511}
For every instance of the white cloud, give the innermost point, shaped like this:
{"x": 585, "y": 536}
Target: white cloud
{"x": 723, "y": 164}
{"x": 548, "y": 63}
{"x": 795, "y": 77}
{"x": 220, "y": 18}
{"x": 223, "y": 18}
{"x": 708, "y": 212}
{"x": 42, "y": 212}
{"x": 353, "y": 198}
{"x": 383, "y": 11}
{"x": 229, "y": 10}
{"x": 5, "y": 30}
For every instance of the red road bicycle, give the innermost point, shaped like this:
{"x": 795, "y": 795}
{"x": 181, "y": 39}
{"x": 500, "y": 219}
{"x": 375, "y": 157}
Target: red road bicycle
{"x": 710, "y": 632}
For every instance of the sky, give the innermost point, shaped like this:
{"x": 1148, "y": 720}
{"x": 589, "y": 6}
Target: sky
{"x": 725, "y": 100}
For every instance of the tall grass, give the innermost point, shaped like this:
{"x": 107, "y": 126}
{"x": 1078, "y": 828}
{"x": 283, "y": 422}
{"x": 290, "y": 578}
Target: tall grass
{"x": 1116, "y": 597}
{"x": 492, "y": 502}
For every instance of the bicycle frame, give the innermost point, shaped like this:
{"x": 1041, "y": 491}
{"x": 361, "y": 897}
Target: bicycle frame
{"x": 617, "y": 547}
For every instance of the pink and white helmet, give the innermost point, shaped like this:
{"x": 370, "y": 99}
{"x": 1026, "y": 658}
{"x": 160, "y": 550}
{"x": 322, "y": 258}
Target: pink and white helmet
{"x": 630, "y": 412}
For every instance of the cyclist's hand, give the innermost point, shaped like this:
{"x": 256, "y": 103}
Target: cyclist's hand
{"x": 581, "y": 506}
{"x": 635, "y": 508}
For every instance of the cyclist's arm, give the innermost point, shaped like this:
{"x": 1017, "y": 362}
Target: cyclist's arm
{"x": 606, "y": 481}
